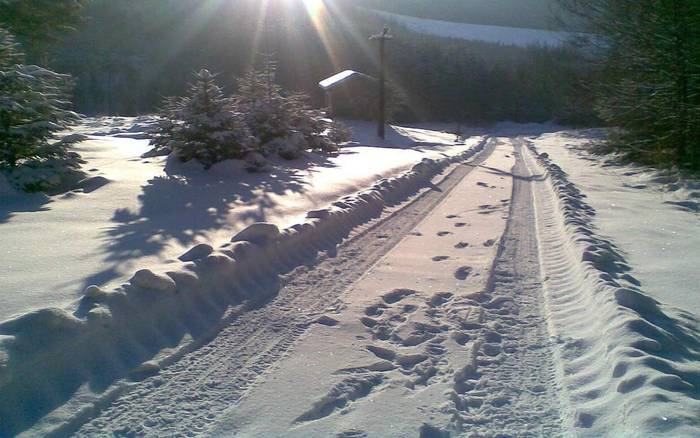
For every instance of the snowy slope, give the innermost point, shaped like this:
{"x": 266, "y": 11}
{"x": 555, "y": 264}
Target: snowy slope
{"x": 514, "y": 36}
{"x": 138, "y": 213}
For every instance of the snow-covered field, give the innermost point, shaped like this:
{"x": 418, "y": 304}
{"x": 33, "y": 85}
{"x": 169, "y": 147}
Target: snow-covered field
{"x": 512, "y": 36}
{"x": 140, "y": 213}
{"x": 484, "y": 292}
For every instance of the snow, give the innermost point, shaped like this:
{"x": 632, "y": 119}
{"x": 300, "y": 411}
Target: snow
{"x": 620, "y": 354}
{"x": 649, "y": 214}
{"x": 338, "y": 79}
{"x": 132, "y": 213}
{"x": 514, "y": 36}
{"x": 156, "y": 309}
{"x": 506, "y": 297}
{"x": 382, "y": 364}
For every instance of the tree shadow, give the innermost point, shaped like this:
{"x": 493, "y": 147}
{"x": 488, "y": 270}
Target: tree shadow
{"x": 189, "y": 202}
{"x": 10, "y": 206}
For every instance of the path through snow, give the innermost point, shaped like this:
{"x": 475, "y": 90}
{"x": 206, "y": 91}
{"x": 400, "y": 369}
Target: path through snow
{"x": 485, "y": 304}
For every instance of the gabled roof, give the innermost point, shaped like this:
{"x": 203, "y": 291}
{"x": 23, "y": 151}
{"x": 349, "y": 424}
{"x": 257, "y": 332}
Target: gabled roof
{"x": 341, "y": 77}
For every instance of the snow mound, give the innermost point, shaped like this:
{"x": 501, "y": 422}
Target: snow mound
{"x": 91, "y": 184}
{"x": 621, "y": 354}
{"x": 114, "y": 332}
{"x": 259, "y": 233}
{"x": 198, "y": 252}
{"x": 146, "y": 279}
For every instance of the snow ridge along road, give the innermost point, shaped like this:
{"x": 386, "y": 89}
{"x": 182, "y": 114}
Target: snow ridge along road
{"x": 255, "y": 337}
{"x": 627, "y": 367}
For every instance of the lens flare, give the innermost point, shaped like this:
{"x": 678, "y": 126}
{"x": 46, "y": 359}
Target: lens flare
{"x": 314, "y": 8}
{"x": 318, "y": 13}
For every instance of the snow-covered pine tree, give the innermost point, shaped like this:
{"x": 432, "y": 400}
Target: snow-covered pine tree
{"x": 203, "y": 125}
{"x": 282, "y": 122}
{"x": 33, "y": 108}
{"x": 265, "y": 110}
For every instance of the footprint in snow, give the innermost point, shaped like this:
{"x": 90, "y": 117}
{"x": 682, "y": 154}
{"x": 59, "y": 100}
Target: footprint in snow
{"x": 397, "y": 295}
{"x": 327, "y": 321}
{"x": 463, "y": 272}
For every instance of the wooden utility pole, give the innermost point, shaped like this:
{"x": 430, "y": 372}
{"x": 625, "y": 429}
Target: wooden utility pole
{"x": 381, "y": 117}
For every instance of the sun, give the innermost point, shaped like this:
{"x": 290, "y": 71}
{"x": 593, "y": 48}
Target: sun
{"x": 314, "y": 7}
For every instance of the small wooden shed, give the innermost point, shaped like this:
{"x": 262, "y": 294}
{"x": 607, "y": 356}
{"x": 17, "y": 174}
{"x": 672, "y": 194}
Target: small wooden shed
{"x": 350, "y": 94}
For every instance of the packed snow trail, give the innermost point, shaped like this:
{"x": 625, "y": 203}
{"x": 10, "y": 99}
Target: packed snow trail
{"x": 443, "y": 336}
{"x": 190, "y": 393}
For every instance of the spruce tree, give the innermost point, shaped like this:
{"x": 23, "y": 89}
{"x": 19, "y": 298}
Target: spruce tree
{"x": 33, "y": 108}
{"x": 277, "y": 117}
{"x": 203, "y": 125}
{"x": 38, "y": 23}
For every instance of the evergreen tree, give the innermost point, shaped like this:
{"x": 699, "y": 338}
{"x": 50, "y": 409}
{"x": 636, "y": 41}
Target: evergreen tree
{"x": 650, "y": 84}
{"x": 33, "y": 109}
{"x": 280, "y": 120}
{"x": 203, "y": 125}
{"x": 38, "y": 23}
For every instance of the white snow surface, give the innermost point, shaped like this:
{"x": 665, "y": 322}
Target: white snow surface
{"x": 652, "y": 215}
{"x": 512, "y": 36}
{"x": 133, "y": 213}
{"x": 516, "y": 299}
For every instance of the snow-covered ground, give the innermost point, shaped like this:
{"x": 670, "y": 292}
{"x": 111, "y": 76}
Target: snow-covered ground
{"x": 139, "y": 212}
{"x": 513, "y": 36}
{"x": 483, "y": 293}
{"x": 653, "y": 216}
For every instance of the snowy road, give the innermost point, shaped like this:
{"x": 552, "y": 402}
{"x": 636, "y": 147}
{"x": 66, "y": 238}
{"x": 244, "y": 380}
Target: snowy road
{"x": 485, "y": 305}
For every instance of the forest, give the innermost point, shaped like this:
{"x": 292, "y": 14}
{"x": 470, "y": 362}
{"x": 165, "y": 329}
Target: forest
{"x": 126, "y": 57}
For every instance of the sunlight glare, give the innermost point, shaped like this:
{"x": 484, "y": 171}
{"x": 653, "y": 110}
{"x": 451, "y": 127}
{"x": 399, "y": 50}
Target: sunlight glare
{"x": 314, "y": 7}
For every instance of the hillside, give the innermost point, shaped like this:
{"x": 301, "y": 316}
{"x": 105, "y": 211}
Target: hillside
{"x": 537, "y": 14}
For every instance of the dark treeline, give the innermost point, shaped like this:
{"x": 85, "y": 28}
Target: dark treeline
{"x": 128, "y": 55}
{"x": 649, "y": 81}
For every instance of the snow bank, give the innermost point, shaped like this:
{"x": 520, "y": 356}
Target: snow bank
{"x": 132, "y": 211}
{"x": 51, "y": 352}
{"x": 661, "y": 243}
{"x": 629, "y": 368}
{"x": 514, "y": 36}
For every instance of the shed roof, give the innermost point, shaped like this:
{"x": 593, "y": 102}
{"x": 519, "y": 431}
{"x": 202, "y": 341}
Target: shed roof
{"x": 340, "y": 78}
